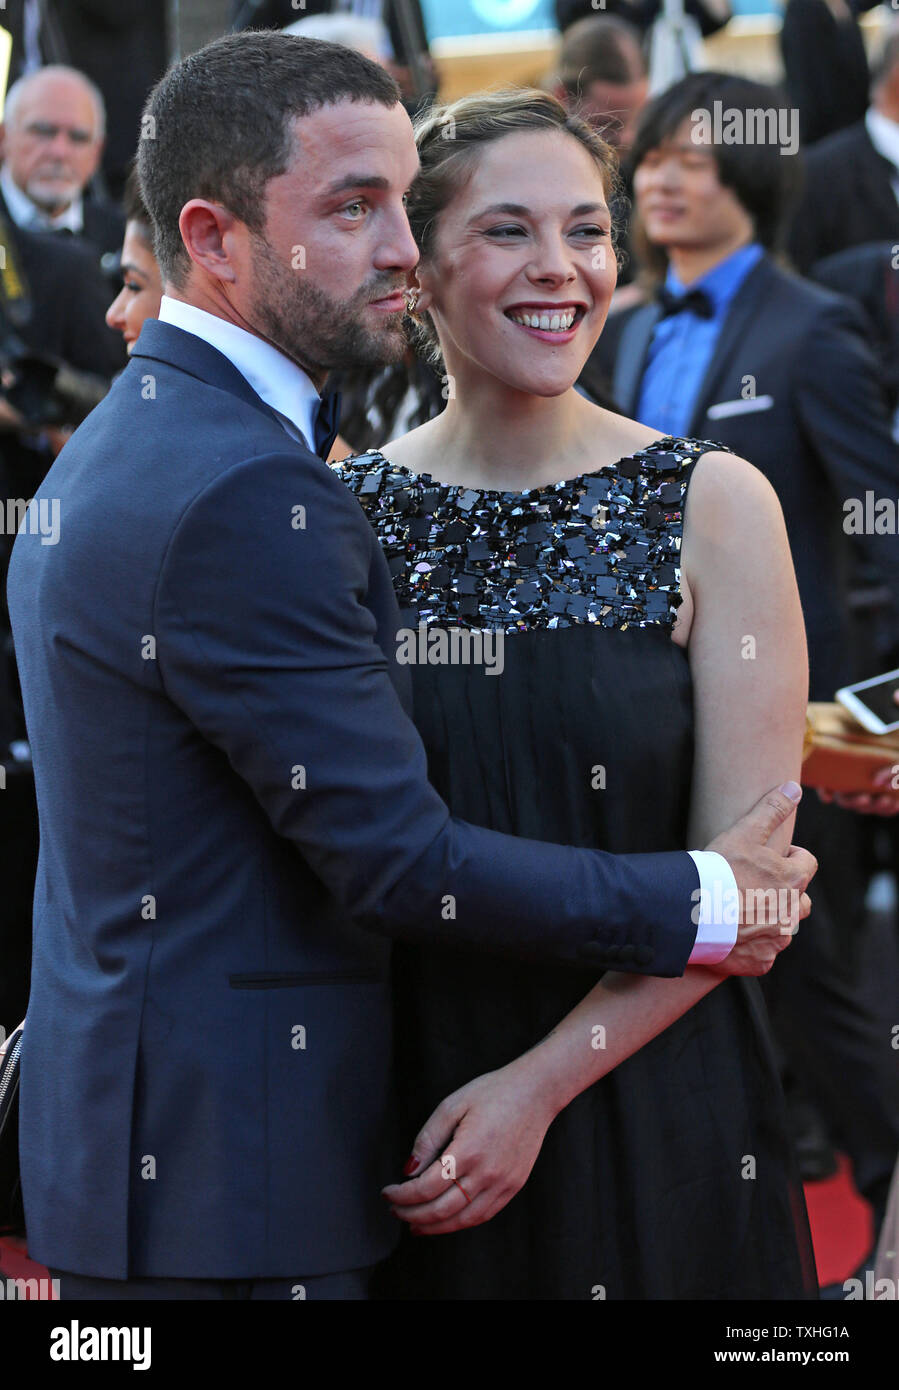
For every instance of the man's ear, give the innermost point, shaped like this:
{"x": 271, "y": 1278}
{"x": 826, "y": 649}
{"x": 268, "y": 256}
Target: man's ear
{"x": 206, "y": 230}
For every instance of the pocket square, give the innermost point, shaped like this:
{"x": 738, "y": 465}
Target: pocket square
{"x": 740, "y": 407}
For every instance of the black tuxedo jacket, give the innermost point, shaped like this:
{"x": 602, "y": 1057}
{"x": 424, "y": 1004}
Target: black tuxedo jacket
{"x": 868, "y": 275}
{"x": 816, "y": 424}
{"x": 104, "y": 225}
{"x": 848, "y": 198}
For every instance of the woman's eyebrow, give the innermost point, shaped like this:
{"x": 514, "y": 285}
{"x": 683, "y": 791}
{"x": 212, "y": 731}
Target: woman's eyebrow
{"x": 518, "y": 210}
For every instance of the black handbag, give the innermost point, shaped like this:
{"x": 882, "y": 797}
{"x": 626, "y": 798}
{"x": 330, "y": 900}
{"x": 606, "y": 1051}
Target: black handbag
{"x": 12, "y": 1213}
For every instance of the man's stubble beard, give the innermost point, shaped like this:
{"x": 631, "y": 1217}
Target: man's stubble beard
{"x": 317, "y": 332}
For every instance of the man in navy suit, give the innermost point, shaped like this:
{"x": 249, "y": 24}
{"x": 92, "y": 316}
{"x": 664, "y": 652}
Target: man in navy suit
{"x": 235, "y": 812}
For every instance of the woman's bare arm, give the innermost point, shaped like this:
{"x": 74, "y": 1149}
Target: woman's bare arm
{"x": 749, "y": 667}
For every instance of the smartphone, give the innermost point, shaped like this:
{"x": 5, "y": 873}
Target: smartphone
{"x": 872, "y": 704}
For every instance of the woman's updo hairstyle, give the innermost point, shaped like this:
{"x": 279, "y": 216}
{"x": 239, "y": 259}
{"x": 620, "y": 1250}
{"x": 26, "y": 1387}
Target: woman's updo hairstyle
{"x": 450, "y": 138}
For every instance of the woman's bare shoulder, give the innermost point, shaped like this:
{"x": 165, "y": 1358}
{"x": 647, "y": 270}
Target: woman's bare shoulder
{"x": 726, "y": 488}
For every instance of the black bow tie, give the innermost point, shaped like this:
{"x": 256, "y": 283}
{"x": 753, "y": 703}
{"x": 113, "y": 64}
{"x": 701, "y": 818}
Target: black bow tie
{"x": 327, "y": 422}
{"x": 697, "y": 301}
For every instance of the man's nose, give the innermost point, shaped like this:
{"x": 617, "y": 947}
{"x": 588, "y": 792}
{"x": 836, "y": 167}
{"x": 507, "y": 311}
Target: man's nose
{"x": 399, "y": 250}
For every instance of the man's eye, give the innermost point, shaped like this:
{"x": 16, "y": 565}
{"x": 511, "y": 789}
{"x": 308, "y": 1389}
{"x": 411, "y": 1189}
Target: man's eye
{"x": 133, "y": 286}
{"x": 405, "y": 200}
{"x": 355, "y": 209}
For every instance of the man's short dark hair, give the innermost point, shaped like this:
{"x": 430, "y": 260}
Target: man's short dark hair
{"x": 600, "y": 48}
{"x": 217, "y": 126}
{"x": 763, "y": 180}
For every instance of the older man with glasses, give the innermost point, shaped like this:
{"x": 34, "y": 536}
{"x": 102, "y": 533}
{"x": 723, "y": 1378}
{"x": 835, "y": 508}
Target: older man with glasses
{"x": 53, "y": 134}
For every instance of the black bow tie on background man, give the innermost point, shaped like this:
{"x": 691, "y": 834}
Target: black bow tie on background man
{"x": 327, "y": 421}
{"x": 697, "y": 301}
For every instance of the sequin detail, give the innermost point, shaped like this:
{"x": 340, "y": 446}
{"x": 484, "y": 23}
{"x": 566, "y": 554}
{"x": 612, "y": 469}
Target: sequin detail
{"x": 602, "y": 548}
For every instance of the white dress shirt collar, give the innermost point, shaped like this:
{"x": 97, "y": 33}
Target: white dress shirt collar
{"x": 884, "y": 135}
{"x": 27, "y": 214}
{"x": 279, "y": 382}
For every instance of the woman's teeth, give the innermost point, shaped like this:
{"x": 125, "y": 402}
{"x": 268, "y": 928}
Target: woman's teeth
{"x": 551, "y": 323}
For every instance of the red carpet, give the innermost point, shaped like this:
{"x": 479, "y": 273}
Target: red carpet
{"x": 840, "y": 1222}
{"x": 841, "y": 1225}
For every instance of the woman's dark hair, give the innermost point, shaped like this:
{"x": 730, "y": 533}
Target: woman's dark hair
{"x": 218, "y": 125}
{"x": 764, "y": 180}
{"x": 136, "y": 210}
{"x": 452, "y": 137}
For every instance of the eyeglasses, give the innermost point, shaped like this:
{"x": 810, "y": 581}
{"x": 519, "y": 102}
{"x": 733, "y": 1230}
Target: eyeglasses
{"x": 45, "y": 130}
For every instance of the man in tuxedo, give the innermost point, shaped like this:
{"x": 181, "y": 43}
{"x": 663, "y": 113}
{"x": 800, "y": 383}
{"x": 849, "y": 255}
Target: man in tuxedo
{"x": 852, "y": 178}
{"x": 735, "y": 349}
{"x": 52, "y": 135}
{"x": 235, "y": 812}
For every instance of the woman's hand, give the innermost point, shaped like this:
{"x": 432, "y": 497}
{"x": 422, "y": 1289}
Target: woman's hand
{"x": 882, "y": 803}
{"x": 475, "y": 1152}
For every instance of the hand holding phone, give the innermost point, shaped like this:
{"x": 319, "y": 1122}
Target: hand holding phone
{"x": 873, "y": 702}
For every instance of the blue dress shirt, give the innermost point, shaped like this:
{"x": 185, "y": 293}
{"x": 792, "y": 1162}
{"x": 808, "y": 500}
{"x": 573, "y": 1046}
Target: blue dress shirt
{"x": 682, "y": 345}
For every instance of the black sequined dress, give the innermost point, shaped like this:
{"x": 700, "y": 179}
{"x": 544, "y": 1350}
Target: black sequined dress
{"x": 672, "y": 1177}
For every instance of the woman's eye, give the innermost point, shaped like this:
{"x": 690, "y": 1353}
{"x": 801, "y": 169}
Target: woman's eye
{"x": 501, "y": 233}
{"x": 133, "y": 286}
{"x": 591, "y": 232}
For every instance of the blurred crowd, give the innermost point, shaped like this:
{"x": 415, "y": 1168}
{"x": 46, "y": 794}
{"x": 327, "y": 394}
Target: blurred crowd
{"x": 758, "y": 306}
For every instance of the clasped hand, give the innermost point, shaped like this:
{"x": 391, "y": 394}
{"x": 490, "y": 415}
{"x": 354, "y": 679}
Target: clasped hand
{"x": 475, "y": 1152}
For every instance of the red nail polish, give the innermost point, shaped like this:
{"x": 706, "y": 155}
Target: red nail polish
{"x": 411, "y": 1166}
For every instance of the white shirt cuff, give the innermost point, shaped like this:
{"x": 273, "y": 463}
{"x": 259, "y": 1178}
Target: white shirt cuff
{"x": 716, "y": 908}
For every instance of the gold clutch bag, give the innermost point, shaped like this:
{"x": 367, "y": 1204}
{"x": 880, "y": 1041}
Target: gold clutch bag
{"x": 839, "y": 754}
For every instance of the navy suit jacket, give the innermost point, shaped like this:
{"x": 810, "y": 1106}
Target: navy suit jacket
{"x": 793, "y": 387}
{"x": 235, "y": 817}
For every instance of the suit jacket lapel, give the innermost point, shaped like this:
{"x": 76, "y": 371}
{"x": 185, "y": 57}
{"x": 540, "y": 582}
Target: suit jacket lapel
{"x": 875, "y": 175}
{"x": 630, "y": 360}
{"x": 733, "y": 332}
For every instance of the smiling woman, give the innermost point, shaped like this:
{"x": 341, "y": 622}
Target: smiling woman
{"x": 462, "y": 149}
{"x": 620, "y": 1120}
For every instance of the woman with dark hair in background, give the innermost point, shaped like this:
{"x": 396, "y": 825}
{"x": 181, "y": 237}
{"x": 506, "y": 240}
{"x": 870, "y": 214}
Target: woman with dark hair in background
{"x": 141, "y": 292}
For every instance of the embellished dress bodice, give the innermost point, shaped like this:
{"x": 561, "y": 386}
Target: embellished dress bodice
{"x": 602, "y": 548}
